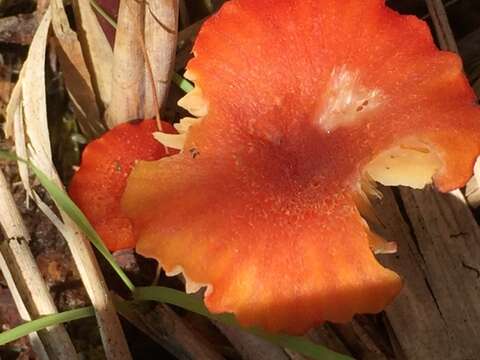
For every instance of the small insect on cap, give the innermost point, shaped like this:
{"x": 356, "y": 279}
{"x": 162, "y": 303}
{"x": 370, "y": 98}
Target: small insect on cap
{"x": 300, "y": 105}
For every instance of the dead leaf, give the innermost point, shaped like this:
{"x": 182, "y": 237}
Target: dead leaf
{"x": 34, "y": 97}
{"x": 156, "y": 23}
{"x": 161, "y": 24}
{"x": 97, "y": 50}
{"x": 128, "y": 90}
{"x": 75, "y": 71}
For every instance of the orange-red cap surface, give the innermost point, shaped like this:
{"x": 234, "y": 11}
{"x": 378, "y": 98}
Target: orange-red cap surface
{"x": 99, "y": 183}
{"x": 301, "y": 96}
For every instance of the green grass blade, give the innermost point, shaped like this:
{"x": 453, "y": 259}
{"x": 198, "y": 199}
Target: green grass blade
{"x": 64, "y": 202}
{"x": 182, "y": 83}
{"x": 178, "y": 298}
{"x": 43, "y": 322}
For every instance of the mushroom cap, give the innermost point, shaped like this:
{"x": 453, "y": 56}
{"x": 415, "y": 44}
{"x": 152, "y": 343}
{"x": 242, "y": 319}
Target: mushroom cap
{"x": 300, "y": 102}
{"x": 98, "y": 185}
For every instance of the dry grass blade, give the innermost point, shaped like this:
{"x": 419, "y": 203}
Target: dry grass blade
{"x": 97, "y": 50}
{"x": 190, "y": 32}
{"x": 14, "y": 128}
{"x": 113, "y": 338}
{"x": 13, "y": 106}
{"x": 161, "y": 24}
{"x": 75, "y": 71}
{"x": 155, "y": 23}
{"x": 33, "y": 100}
{"x": 33, "y": 96}
{"x": 128, "y": 91}
{"x": 442, "y": 27}
{"x": 35, "y": 341}
{"x": 184, "y": 15}
{"x": 27, "y": 277}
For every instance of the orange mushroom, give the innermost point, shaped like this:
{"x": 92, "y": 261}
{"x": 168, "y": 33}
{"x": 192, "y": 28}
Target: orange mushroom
{"x": 299, "y": 107}
{"x": 99, "y": 183}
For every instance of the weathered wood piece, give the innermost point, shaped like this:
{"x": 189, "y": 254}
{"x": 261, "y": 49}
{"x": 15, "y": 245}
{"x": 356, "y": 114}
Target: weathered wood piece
{"x": 166, "y": 328}
{"x": 251, "y": 347}
{"x": 436, "y": 314}
{"x": 327, "y": 336}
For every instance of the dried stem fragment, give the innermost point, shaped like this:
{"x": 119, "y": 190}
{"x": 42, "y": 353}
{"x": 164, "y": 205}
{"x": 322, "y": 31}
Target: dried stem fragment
{"x": 156, "y": 23}
{"x": 27, "y": 276}
{"x": 444, "y": 33}
{"x": 32, "y": 99}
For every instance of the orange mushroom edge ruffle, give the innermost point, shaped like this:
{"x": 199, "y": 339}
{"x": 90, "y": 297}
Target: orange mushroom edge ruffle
{"x": 99, "y": 183}
{"x": 298, "y": 108}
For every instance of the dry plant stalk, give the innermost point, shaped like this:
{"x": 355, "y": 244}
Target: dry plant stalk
{"x": 27, "y": 277}
{"x": 96, "y": 49}
{"x": 190, "y": 32}
{"x": 161, "y": 24}
{"x": 442, "y": 27}
{"x": 32, "y": 100}
{"x": 128, "y": 82}
{"x": 156, "y": 23}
